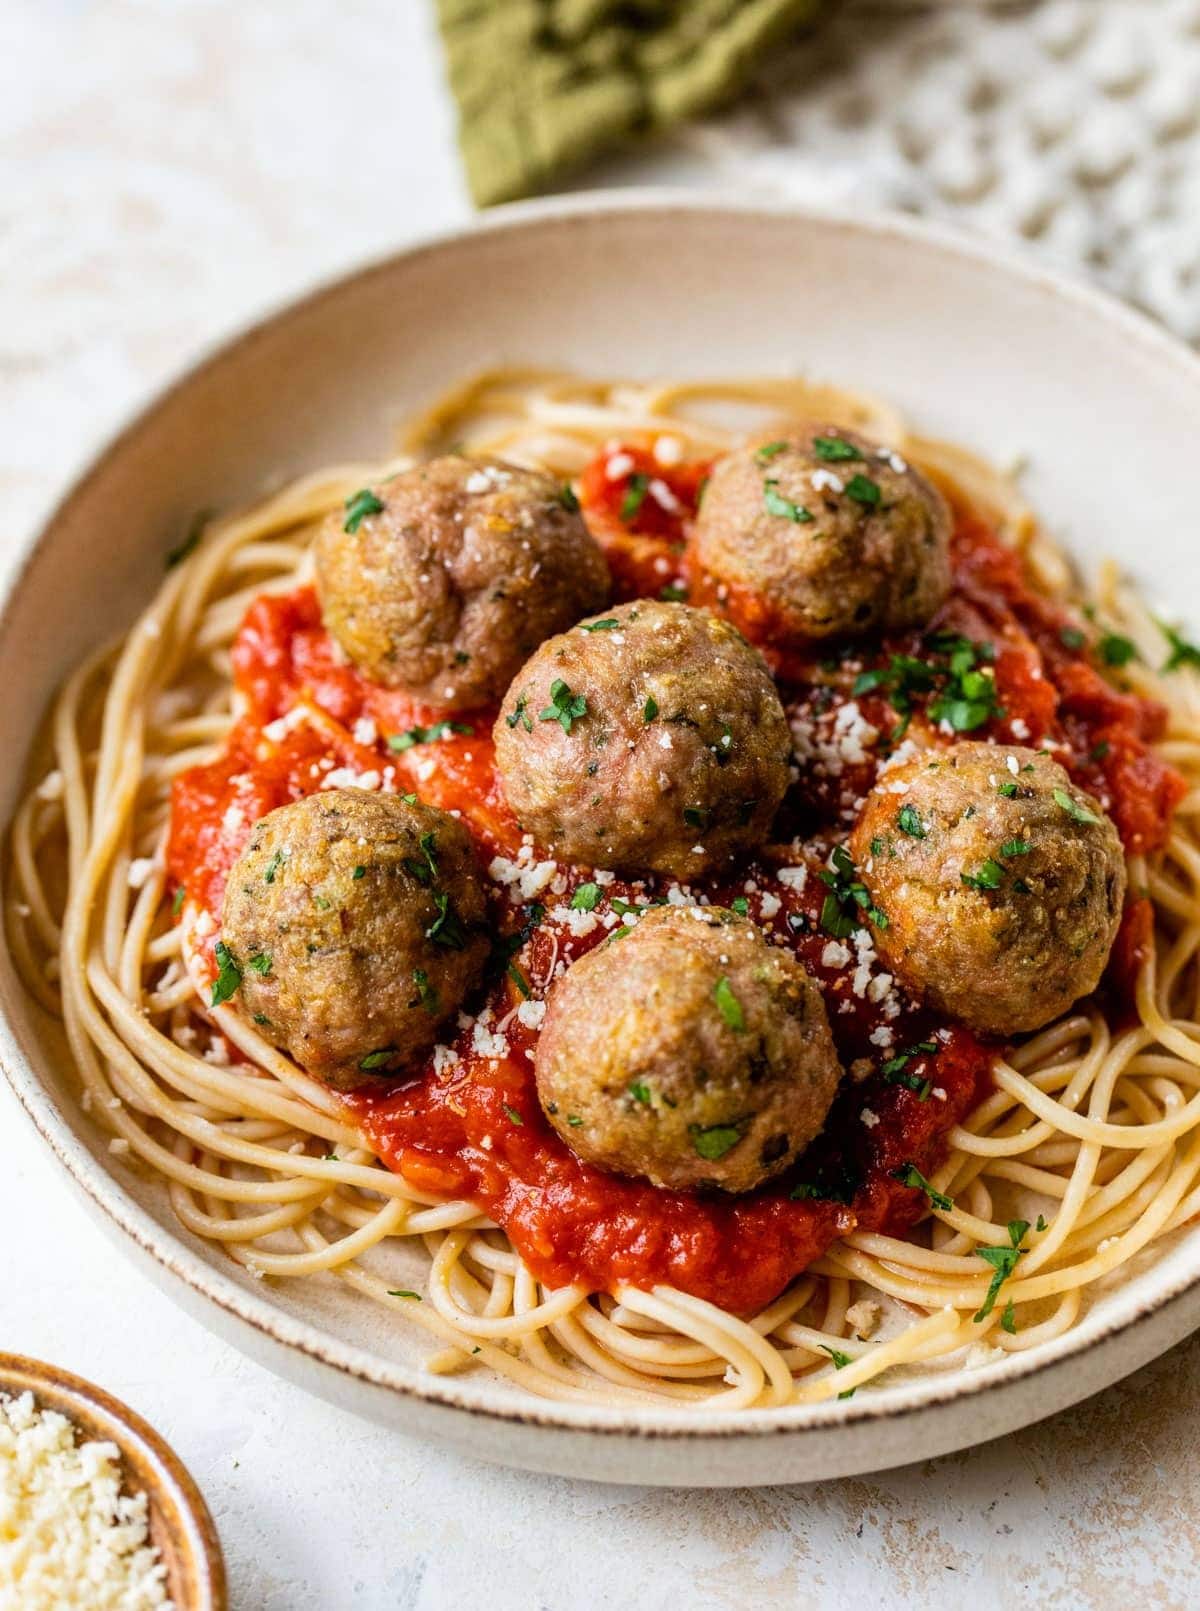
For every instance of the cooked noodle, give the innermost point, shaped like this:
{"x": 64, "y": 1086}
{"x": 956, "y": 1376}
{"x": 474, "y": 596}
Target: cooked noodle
{"x": 1093, "y": 1124}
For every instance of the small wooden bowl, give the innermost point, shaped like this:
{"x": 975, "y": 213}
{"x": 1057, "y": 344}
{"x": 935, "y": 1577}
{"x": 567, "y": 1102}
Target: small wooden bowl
{"x": 180, "y": 1526}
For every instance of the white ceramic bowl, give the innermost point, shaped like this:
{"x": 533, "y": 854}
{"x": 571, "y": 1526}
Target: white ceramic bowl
{"x": 975, "y": 346}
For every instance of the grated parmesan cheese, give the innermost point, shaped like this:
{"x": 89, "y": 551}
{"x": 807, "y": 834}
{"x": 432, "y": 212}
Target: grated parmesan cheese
{"x": 70, "y": 1540}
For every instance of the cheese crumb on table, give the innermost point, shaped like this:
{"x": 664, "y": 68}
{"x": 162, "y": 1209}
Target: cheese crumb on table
{"x": 70, "y": 1540}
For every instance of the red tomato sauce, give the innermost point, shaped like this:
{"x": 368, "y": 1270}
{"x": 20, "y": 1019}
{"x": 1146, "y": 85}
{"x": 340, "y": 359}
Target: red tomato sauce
{"x": 470, "y": 1124}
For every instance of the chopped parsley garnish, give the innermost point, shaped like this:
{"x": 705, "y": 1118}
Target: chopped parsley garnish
{"x": 696, "y": 816}
{"x": 359, "y": 506}
{"x": 649, "y": 709}
{"x": 519, "y": 979}
{"x": 1015, "y": 847}
{"x": 640, "y": 1092}
{"x": 359, "y": 872}
{"x": 1182, "y": 652}
{"x": 190, "y": 541}
{"x": 1116, "y": 650}
{"x": 847, "y": 897}
{"x": 273, "y": 866}
{"x": 635, "y": 495}
{"x": 1099, "y": 751}
{"x": 446, "y": 928}
{"x": 835, "y": 449}
{"x": 1008, "y": 1320}
{"x": 769, "y": 451}
{"x": 585, "y": 898}
{"x": 426, "y": 870}
{"x": 518, "y": 714}
{"x": 909, "y": 822}
{"x": 607, "y": 625}
{"x": 426, "y": 994}
{"x": 403, "y": 1292}
{"x": 378, "y": 1058}
{"x": 261, "y": 963}
{"x": 968, "y": 699}
{"x": 574, "y": 1120}
{"x": 910, "y": 1175}
{"x": 1041, "y": 1223}
{"x": 673, "y": 593}
{"x": 776, "y": 504}
{"x": 740, "y": 905}
{"x": 427, "y": 735}
{"x": 728, "y": 1005}
{"x": 1071, "y": 637}
{"x": 989, "y": 876}
{"x": 565, "y": 707}
{"x": 229, "y": 976}
{"x": 1008, "y": 789}
{"x": 566, "y": 496}
{"x": 716, "y": 1140}
{"x": 1003, "y": 1261}
{"x": 840, "y": 1361}
{"x": 513, "y": 1114}
{"x": 804, "y": 1190}
{"x": 895, "y": 1069}
{"x": 863, "y": 490}
{"x": 409, "y": 799}
{"x": 1078, "y": 813}
{"x": 177, "y": 903}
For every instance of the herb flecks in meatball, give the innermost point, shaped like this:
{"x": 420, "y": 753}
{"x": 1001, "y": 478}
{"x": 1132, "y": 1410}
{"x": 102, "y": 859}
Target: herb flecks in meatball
{"x": 1003, "y": 883}
{"x": 651, "y": 739}
{"x": 688, "y": 1051}
{"x": 444, "y": 579}
{"x": 358, "y": 924}
{"x": 821, "y": 533}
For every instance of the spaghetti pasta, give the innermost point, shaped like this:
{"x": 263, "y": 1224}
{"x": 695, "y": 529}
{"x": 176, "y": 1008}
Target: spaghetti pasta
{"x": 1084, "y": 1150}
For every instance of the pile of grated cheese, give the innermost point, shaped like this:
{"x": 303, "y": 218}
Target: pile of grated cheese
{"x": 70, "y": 1540}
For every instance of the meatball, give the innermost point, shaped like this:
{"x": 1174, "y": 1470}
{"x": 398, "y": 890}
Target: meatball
{"x": 820, "y": 533}
{"x": 444, "y": 579}
{"x": 358, "y": 924}
{"x": 1002, "y": 883}
{"x": 689, "y": 1051}
{"x": 649, "y": 740}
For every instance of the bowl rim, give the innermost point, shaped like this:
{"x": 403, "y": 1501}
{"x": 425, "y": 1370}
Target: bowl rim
{"x": 279, "y": 1327}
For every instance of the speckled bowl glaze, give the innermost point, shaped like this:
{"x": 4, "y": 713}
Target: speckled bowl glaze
{"x": 180, "y": 1526}
{"x": 974, "y": 345}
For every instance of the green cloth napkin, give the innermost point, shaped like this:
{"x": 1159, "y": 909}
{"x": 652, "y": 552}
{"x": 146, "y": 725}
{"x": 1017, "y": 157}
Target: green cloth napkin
{"x": 545, "y": 85}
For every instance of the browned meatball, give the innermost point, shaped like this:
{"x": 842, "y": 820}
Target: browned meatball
{"x": 651, "y": 739}
{"x": 829, "y": 533}
{"x": 688, "y": 1051}
{"x": 358, "y": 924}
{"x": 444, "y": 579}
{"x": 1002, "y": 883}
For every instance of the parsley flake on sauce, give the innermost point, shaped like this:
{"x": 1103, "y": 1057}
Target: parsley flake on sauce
{"x": 229, "y": 975}
{"x": 673, "y": 593}
{"x": 565, "y": 707}
{"x": 910, "y": 1175}
{"x": 585, "y": 898}
{"x": 740, "y": 905}
{"x": 177, "y": 903}
{"x": 1072, "y": 637}
{"x": 566, "y": 496}
{"x": 728, "y": 1005}
{"x": 635, "y": 495}
{"x": 769, "y": 451}
{"x": 846, "y": 898}
{"x": 513, "y": 1114}
{"x": 1079, "y": 813}
{"x": 358, "y": 507}
{"x": 776, "y": 504}
{"x": 399, "y": 742}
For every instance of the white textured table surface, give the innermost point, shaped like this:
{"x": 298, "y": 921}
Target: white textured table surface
{"x": 167, "y": 169}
